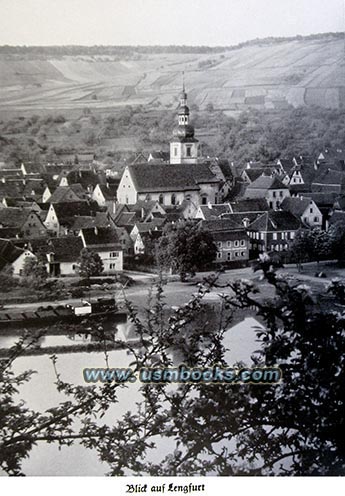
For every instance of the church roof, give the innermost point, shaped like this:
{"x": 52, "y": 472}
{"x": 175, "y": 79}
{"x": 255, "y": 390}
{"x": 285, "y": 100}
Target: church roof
{"x": 161, "y": 177}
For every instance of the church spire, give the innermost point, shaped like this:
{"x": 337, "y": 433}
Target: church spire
{"x": 184, "y": 146}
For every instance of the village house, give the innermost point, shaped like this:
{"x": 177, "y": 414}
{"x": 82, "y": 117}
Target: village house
{"x": 26, "y": 221}
{"x": 61, "y": 216}
{"x": 105, "y": 196}
{"x": 273, "y": 231}
{"x": 269, "y": 188}
{"x": 305, "y": 209}
{"x": 231, "y": 240}
{"x": 14, "y": 257}
{"x": 61, "y": 253}
{"x": 105, "y": 242}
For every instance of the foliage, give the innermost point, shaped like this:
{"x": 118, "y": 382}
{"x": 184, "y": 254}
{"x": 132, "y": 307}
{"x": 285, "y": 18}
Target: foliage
{"x": 185, "y": 248}
{"x": 89, "y": 264}
{"x": 34, "y": 272}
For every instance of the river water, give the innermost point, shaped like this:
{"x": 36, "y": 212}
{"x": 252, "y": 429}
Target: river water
{"x": 40, "y": 393}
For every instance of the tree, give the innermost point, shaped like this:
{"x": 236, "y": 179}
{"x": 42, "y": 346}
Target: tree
{"x": 337, "y": 239}
{"x": 89, "y": 264}
{"x": 186, "y": 248}
{"x": 35, "y": 272}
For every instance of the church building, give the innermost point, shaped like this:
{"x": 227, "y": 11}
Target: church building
{"x": 186, "y": 178}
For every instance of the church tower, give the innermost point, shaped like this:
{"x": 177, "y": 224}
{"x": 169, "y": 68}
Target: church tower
{"x": 183, "y": 146}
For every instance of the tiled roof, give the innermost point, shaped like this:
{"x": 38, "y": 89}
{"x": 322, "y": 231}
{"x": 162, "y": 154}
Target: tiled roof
{"x": 65, "y": 248}
{"x": 66, "y": 210}
{"x": 101, "y": 219}
{"x": 323, "y": 199}
{"x": 62, "y": 193}
{"x": 337, "y": 217}
{"x": 266, "y": 183}
{"x": 13, "y": 216}
{"x": 246, "y": 205}
{"x": 100, "y": 236}
{"x": 226, "y": 224}
{"x": 216, "y": 210}
{"x": 179, "y": 177}
{"x": 108, "y": 191}
{"x": 8, "y": 253}
{"x": 296, "y": 206}
{"x": 275, "y": 221}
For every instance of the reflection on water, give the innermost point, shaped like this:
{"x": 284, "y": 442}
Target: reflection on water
{"x": 40, "y": 393}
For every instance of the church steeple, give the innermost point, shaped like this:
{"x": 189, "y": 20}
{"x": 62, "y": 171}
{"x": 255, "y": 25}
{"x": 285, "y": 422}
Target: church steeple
{"x": 183, "y": 147}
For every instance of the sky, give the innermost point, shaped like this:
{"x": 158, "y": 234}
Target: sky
{"x": 163, "y": 22}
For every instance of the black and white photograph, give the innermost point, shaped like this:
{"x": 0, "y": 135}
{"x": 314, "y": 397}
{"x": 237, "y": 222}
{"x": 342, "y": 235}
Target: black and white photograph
{"x": 172, "y": 243}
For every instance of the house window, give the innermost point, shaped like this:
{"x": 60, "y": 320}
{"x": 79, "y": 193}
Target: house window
{"x": 74, "y": 266}
{"x": 262, "y": 236}
{"x": 228, "y": 256}
{"x": 175, "y": 152}
{"x": 243, "y": 243}
{"x": 113, "y": 254}
{"x": 274, "y": 194}
{"x": 219, "y": 244}
{"x": 311, "y": 210}
{"x": 316, "y": 219}
{"x": 292, "y": 235}
{"x": 271, "y": 204}
{"x": 228, "y": 244}
{"x": 236, "y": 244}
{"x": 281, "y": 194}
{"x": 173, "y": 199}
{"x": 243, "y": 253}
{"x": 148, "y": 197}
{"x": 237, "y": 254}
{"x": 219, "y": 255}
{"x": 275, "y": 236}
{"x": 112, "y": 266}
{"x": 161, "y": 199}
{"x": 189, "y": 151}
{"x": 204, "y": 200}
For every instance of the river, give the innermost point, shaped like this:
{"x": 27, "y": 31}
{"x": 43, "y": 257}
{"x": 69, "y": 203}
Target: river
{"x": 40, "y": 393}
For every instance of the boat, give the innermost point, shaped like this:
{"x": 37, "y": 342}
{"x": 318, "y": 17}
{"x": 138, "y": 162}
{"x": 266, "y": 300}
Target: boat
{"x": 70, "y": 313}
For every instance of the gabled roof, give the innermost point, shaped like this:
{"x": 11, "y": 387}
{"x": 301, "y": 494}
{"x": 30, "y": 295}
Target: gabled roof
{"x": 100, "y": 237}
{"x": 85, "y": 177}
{"x": 68, "y": 193}
{"x": 108, "y": 191}
{"x": 253, "y": 174}
{"x": 101, "y": 219}
{"x": 8, "y": 253}
{"x": 249, "y": 205}
{"x": 215, "y": 211}
{"x": 11, "y": 189}
{"x": 275, "y": 220}
{"x": 226, "y": 224}
{"x": 329, "y": 177}
{"x": 161, "y": 177}
{"x": 66, "y": 210}
{"x": 323, "y": 199}
{"x": 14, "y": 216}
{"x": 126, "y": 219}
{"x": 266, "y": 183}
{"x": 296, "y": 205}
{"x": 64, "y": 248}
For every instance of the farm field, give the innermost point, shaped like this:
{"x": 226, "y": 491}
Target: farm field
{"x": 263, "y": 76}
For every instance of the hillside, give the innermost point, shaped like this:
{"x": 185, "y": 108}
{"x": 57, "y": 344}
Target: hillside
{"x": 262, "y": 75}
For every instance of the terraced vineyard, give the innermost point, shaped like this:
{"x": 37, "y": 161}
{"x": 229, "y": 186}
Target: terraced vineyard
{"x": 264, "y": 76}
